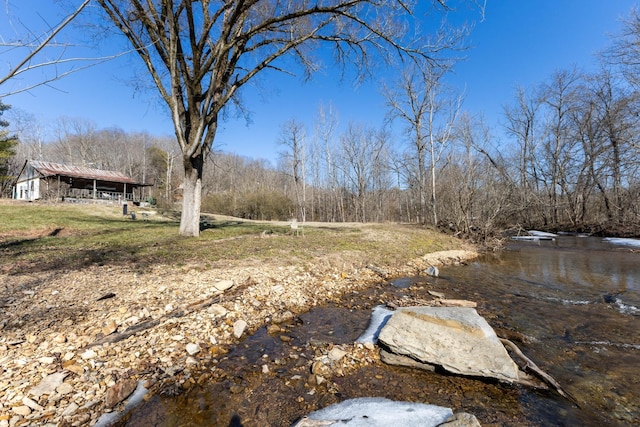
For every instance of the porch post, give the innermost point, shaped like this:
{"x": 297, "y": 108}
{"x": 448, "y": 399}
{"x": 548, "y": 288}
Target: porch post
{"x": 95, "y": 189}
{"x": 58, "y": 190}
{"x": 124, "y": 194}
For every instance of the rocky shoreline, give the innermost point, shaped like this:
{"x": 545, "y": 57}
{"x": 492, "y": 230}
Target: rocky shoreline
{"x": 75, "y": 344}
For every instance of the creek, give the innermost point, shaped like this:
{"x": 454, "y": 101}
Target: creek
{"x": 574, "y": 300}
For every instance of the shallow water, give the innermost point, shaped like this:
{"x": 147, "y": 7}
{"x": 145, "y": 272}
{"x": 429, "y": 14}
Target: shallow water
{"x": 574, "y": 299}
{"x": 578, "y": 300}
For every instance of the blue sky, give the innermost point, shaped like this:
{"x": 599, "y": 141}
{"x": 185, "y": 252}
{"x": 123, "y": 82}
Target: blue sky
{"x": 518, "y": 43}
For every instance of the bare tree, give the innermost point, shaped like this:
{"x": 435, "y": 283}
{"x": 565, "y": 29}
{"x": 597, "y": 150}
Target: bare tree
{"x": 199, "y": 54}
{"x": 35, "y": 45}
{"x": 421, "y": 102}
{"x": 294, "y": 139}
{"x": 76, "y": 142}
{"x": 559, "y": 96}
{"x": 618, "y": 123}
{"x": 523, "y": 123}
{"x": 362, "y": 150}
{"x": 327, "y": 123}
{"x": 625, "y": 50}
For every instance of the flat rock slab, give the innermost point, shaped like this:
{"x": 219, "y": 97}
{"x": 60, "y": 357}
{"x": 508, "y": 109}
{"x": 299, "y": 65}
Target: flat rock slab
{"x": 456, "y": 338}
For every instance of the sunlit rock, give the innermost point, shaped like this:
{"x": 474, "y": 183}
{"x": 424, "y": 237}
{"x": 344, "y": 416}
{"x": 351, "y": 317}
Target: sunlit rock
{"x": 49, "y": 384}
{"x": 461, "y": 419}
{"x": 192, "y": 349}
{"x": 223, "y": 285}
{"x": 455, "y": 338}
{"x": 238, "y": 328}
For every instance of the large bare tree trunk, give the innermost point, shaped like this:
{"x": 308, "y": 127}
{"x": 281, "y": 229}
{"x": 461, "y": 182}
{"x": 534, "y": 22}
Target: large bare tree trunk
{"x": 191, "y": 196}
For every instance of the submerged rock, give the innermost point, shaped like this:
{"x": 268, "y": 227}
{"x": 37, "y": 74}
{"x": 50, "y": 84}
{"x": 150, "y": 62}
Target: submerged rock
{"x": 455, "y": 338}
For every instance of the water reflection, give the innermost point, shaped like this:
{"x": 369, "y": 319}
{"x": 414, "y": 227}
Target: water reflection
{"x": 577, "y": 299}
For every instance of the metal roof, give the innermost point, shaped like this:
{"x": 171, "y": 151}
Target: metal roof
{"x": 54, "y": 169}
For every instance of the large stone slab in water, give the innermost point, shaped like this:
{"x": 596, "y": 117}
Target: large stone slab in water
{"x": 455, "y": 338}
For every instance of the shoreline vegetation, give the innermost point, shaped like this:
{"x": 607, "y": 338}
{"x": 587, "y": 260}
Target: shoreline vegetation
{"x": 95, "y": 303}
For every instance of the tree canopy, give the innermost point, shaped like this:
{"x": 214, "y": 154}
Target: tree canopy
{"x": 199, "y": 54}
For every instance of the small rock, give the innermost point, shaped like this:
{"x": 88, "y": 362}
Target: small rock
{"x": 282, "y": 317}
{"x": 82, "y": 419}
{"x": 336, "y": 354}
{"x": 70, "y": 410}
{"x": 64, "y": 388}
{"x": 119, "y": 392}
{"x": 32, "y": 404}
{"x": 132, "y": 320}
{"x": 319, "y": 368}
{"x": 432, "y": 271}
{"x": 21, "y": 410}
{"x": 48, "y": 384}
{"x": 273, "y": 329}
{"x": 223, "y": 285}
{"x": 75, "y": 368}
{"x": 218, "y": 310}
{"x": 193, "y": 348}
{"x": 239, "y": 327}
{"x": 89, "y": 354}
{"x": 109, "y": 328}
{"x": 436, "y": 294}
{"x": 265, "y": 369}
{"x": 461, "y": 419}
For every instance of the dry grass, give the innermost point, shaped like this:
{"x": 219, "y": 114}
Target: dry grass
{"x": 43, "y": 237}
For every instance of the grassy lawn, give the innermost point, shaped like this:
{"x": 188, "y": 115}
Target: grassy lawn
{"x": 42, "y": 237}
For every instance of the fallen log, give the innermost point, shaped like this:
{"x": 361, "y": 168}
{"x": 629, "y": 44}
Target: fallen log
{"x": 143, "y": 326}
{"x": 531, "y": 366}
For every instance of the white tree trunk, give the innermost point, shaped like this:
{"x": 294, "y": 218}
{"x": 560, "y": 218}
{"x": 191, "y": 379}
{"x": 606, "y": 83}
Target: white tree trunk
{"x": 191, "y": 198}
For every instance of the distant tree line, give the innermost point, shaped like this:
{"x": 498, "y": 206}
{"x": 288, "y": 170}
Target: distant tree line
{"x": 569, "y": 158}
